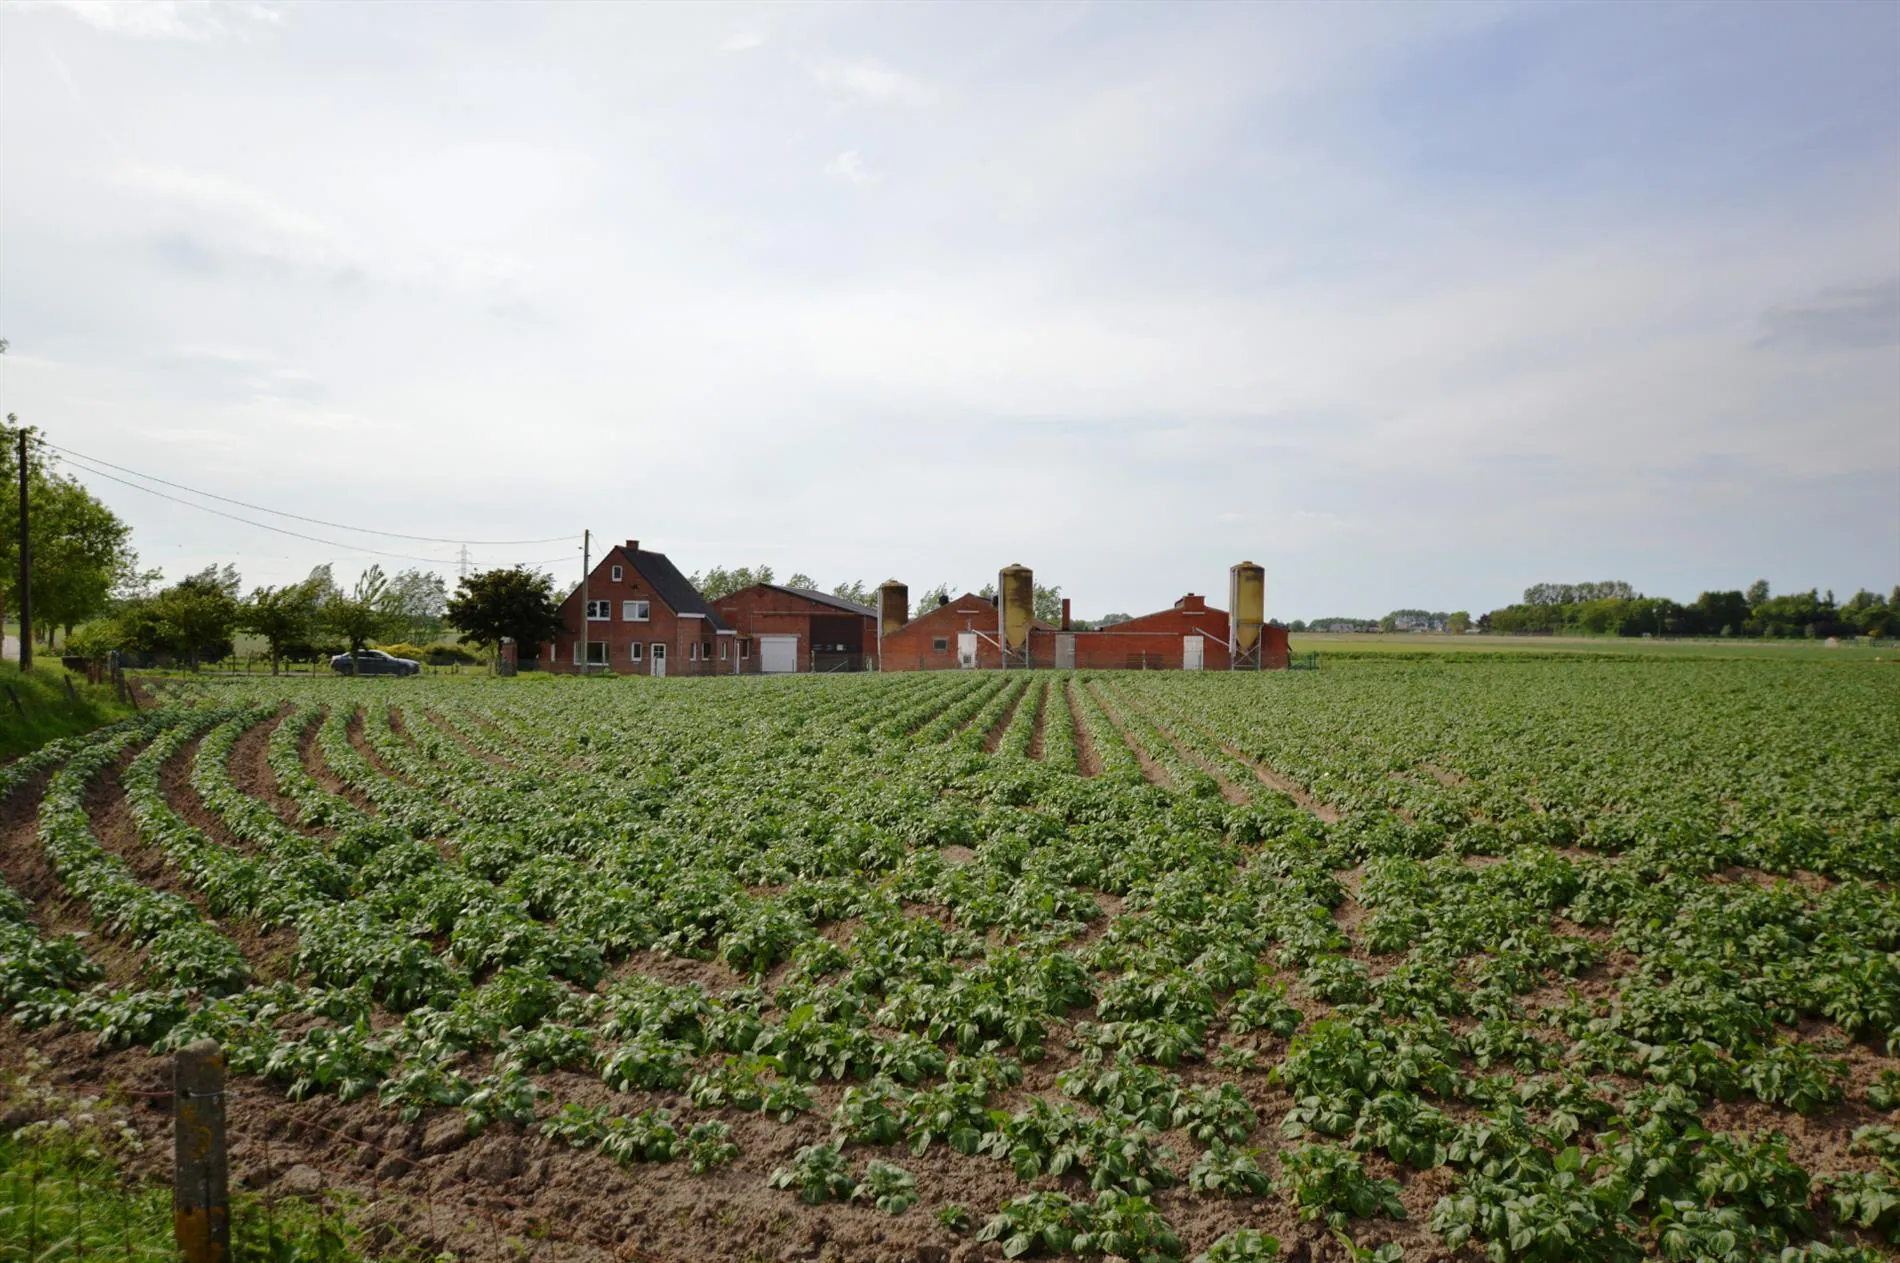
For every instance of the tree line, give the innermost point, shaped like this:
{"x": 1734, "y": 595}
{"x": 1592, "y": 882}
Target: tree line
{"x": 720, "y": 581}
{"x": 195, "y": 619}
{"x": 1616, "y": 609}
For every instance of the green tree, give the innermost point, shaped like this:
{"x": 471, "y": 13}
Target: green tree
{"x": 930, "y": 598}
{"x": 414, "y": 600}
{"x": 802, "y": 580}
{"x": 719, "y": 581}
{"x": 1719, "y": 613}
{"x": 1459, "y": 623}
{"x": 285, "y": 616}
{"x": 361, "y": 616}
{"x": 82, "y": 551}
{"x": 856, "y": 592}
{"x": 1049, "y": 604}
{"x": 517, "y": 603}
{"x": 191, "y": 620}
{"x": 1757, "y": 593}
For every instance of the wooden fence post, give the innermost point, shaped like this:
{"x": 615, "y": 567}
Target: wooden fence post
{"x": 201, "y": 1198}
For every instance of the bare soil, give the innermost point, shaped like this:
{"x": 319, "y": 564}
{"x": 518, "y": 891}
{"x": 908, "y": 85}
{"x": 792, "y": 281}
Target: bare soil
{"x": 251, "y": 772}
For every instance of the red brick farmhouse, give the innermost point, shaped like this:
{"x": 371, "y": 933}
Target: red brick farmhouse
{"x": 643, "y": 618}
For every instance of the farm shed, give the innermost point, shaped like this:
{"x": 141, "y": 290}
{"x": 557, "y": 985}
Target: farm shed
{"x": 781, "y": 630}
{"x": 974, "y": 632}
{"x": 1190, "y": 635}
{"x": 958, "y": 633}
{"x": 643, "y": 618}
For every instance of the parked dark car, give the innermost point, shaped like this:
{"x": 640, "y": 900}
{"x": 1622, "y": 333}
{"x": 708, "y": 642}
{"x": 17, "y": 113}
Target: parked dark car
{"x": 375, "y": 662}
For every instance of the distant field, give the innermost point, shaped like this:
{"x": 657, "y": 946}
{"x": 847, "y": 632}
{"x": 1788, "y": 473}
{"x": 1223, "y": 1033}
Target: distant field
{"x": 1337, "y": 643}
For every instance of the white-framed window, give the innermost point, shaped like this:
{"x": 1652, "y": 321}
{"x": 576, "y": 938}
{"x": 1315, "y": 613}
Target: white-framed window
{"x": 600, "y": 611}
{"x": 616, "y": 574}
{"x": 597, "y": 652}
{"x": 940, "y": 644}
{"x": 635, "y": 611}
{"x": 692, "y": 652}
{"x": 722, "y": 651}
{"x": 636, "y": 652}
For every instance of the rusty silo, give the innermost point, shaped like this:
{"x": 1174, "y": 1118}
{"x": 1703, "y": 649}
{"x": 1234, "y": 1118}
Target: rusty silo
{"x": 1247, "y": 613}
{"x": 893, "y": 607}
{"x": 1016, "y": 606}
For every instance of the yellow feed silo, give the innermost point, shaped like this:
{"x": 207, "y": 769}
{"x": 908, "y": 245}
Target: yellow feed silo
{"x": 893, "y": 607}
{"x": 1247, "y": 613}
{"x": 1016, "y": 609}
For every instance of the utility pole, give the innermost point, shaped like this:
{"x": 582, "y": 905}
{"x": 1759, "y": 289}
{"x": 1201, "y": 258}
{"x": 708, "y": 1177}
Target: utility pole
{"x": 463, "y": 560}
{"x": 26, "y": 561}
{"x": 587, "y": 539}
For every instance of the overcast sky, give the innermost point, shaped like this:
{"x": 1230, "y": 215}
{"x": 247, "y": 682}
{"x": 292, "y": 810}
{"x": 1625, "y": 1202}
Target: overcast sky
{"x": 1414, "y": 304}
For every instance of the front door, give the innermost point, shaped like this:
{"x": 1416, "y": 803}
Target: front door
{"x": 1191, "y": 653}
{"x": 966, "y": 649}
{"x": 659, "y": 658}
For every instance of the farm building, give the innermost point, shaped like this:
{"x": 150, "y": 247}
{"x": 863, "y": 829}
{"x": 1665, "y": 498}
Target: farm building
{"x": 975, "y": 632}
{"x": 958, "y": 633}
{"x": 781, "y": 630}
{"x": 643, "y": 617}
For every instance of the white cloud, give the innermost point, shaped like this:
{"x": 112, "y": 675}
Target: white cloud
{"x": 224, "y": 196}
{"x": 744, "y": 39}
{"x": 874, "y": 81}
{"x": 165, "y": 19}
{"x": 849, "y": 165}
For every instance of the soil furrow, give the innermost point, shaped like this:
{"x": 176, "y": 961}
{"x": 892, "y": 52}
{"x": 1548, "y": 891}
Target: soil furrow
{"x": 1292, "y": 789}
{"x": 1042, "y": 717}
{"x": 994, "y": 738}
{"x": 456, "y": 735}
{"x": 320, "y": 770}
{"x": 1087, "y": 762}
{"x": 359, "y": 718}
{"x": 1156, "y": 774}
{"x": 1228, "y": 790}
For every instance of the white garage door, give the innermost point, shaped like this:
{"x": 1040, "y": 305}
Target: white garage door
{"x": 778, "y": 655}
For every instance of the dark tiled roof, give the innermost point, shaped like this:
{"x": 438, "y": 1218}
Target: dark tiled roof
{"x": 671, "y": 586}
{"x": 824, "y": 598}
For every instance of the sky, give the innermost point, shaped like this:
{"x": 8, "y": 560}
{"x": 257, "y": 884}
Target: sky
{"x": 1414, "y": 304}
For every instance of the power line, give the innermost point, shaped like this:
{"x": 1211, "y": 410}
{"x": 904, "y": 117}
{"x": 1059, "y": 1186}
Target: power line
{"x": 341, "y": 526}
{"x": 329, "y": 543}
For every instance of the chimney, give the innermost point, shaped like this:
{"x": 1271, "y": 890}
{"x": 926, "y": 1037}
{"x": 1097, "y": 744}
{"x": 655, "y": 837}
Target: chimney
{"x": 633, "y": 545}
{"x": 1065, "y": 613}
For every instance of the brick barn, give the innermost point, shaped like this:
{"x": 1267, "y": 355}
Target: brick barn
{"x": 958, "y": 633}
{"x": 781, "y": 630}
{"x": 643, "y": 618}
{"x": 1191, "y": 635}
{"x": 965, "y": 633}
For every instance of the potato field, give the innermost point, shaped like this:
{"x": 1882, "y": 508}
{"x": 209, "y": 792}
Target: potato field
{"x": 1543, "y": 958}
